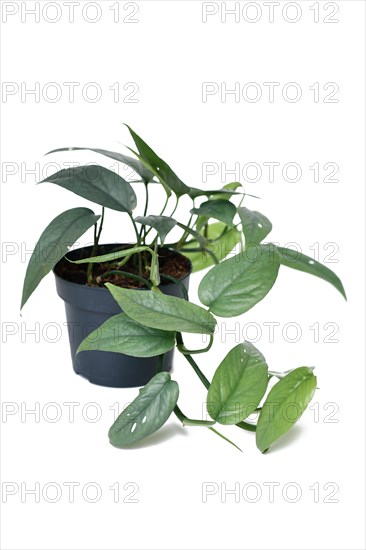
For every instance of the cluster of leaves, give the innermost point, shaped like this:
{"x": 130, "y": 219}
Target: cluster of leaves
{"x": 200, "y": 238}
{"x": 151, "y": 323}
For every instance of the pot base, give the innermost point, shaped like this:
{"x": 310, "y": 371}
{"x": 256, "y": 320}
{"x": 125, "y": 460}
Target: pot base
{"x": 128, "y": 372}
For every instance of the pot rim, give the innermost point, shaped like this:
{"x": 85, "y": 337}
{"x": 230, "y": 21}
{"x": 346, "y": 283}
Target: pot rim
{"x": 104, "y": 289}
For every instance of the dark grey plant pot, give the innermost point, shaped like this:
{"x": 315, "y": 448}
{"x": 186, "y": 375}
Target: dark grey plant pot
{"x": 87, "y": 308}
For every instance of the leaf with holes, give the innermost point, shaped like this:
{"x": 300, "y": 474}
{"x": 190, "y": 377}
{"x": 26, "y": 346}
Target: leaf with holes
{"x": 255, "y": 225}
{"x": 97, "y": 184}
{"x": 137, "y": 166}
{"x": 284, "y": 405}
{"x": 238, "y": 385}
{"x": 120, "y": 334}
{"x": 162, "y": 224}
{"x": 147, "y": 413}
{"x": 237, "y": 284}
{"x": 156, "y": 310}
{"x": 53, "y": 244}
{"x": 296, "y": 260}
{"x": 218, "y": 209}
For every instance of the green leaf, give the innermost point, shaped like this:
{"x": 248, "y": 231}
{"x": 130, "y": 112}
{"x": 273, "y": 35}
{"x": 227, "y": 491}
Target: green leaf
{"x": 126, "y": 253}
{"x": 97, "y": 184}
{"x": 137, "y": 166}
{"x": 223, "y": 193}
{"x": 255, "y": 225}
{"x": 238, "y": 385}
{"x": 159, "y": 167}
{"x": 197, "y": 236}
{"x": 112, "y": 256}
{"x": 162, "y": 224}
{"x": 219, "y": 209}
{"x": 221, "y": 248}
{"x": 156, "y": 174}
{"x": 53, "y": 244}
{"x": 296, "y": 260}
{"x": 156, "y": 310}
{"x": 165, "y": 174}
{"x": 237, "y": 284}
{"x": 121, "y": 334}
{"x": 284, "y": 405}
{"x": 147, "y": 413}
{"x": 227, "y": 191}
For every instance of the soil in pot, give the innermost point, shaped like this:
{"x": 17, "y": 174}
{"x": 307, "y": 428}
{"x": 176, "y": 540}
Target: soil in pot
{"x": 171, "y": 264}
{"x": 88, "y": 306}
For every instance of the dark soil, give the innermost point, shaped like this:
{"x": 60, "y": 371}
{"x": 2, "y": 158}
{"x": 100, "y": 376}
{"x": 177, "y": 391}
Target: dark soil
{"x": 171, "y": 263}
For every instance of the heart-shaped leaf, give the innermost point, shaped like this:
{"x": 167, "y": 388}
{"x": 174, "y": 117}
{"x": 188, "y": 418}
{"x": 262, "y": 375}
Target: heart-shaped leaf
{"x": 147, "y": 413}
{"x": 121, "y": 334}
{"x": 296, "y": 260}
{"x": 237, "y": 284}
{"x": 159, "y": 167}
{"x": 162, "y": 224}
{"x": 156, "y": 310}
{"x": 284, "y": 405}
{"x": 255, "y": 225}
{"x": 135, "y": 164}
{"x": 97, "y": 184}
{"x": 238, "y": 385}
{"x": 222, "y": 210}
{"x": 53, "y": 244}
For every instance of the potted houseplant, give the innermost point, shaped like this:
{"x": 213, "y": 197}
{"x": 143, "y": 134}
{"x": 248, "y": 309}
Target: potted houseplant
{"x": 81, "y": 274}
{"x": 144, "y": 319}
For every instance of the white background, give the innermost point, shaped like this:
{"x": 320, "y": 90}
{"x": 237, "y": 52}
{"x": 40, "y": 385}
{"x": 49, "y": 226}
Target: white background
{"x": 169, "y": 53}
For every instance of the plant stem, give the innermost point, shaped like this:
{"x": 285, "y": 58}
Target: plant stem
{"x": 192, "y": 362}
{"x": 126, "y": 274}
{"x": 186, "y": 351}
{"x": 182, "y": 240}
{"x": 175, "y": 207}
{"x": 89, "y": 271}
{"x": 165, "y": 205}
{"x": 100, "y": 225}
{"x": 179, "y": 283}
{"x": 203, "y": 423}
{"x": 143, "y": 227}
{"x": 190, "y": 421}
{"x": 161, "y": 213}
{"x": 225, "y": 438}
{"x": 138, "y": 240}
{"x": 138, "y": 243}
